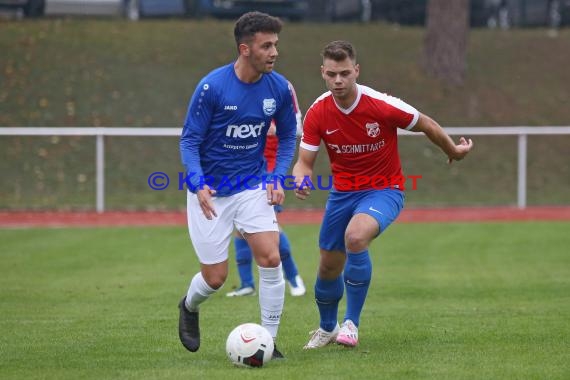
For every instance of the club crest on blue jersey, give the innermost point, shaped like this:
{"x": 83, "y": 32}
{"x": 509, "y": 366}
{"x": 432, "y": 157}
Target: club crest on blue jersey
{"x": 373, "y": 129}
{"x": 269, "y": 106}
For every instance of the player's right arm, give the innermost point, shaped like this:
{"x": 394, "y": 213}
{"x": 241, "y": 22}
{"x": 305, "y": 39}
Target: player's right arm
{"x": 194, "y": 132}
{"x": 302, "y": 171}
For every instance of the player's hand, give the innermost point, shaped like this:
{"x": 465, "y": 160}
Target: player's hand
{"x": 302, "y": 189}
{"x": 205, "y": 195}
{"x": 461, "y": 150}
{"x": 275, "y": 194}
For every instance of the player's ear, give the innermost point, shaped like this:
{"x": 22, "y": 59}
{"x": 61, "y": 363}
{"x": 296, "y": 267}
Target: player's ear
{"x": 357, "y": 69}
{"x": 244, "y": 49}
{"x": 323, "y": 71}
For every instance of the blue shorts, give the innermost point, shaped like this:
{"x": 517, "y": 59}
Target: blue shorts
{"x": 383, "y": 205}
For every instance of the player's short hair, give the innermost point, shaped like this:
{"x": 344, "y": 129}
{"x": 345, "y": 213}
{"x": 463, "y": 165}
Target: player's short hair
{"x": 339, "y": 51}
{"x": 254, "y": 22}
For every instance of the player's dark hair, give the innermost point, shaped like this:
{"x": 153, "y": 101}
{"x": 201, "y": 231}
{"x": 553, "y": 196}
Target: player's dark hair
{"x": 254, "y": 22}
{"x": 339, "y": 51}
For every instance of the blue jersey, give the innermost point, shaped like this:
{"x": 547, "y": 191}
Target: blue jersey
{"x": 226, "y": 126}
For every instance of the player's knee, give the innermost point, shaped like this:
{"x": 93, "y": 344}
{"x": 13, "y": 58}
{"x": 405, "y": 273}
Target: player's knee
{"x": 329, "y": 271}
{"x": 331, "y": 265}
{"x": 269, "y": 261}
{"x": 355, "y": 241}
{"x": 215, "y": 281}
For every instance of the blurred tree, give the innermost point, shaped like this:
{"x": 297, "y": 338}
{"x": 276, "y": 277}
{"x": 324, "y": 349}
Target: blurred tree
{"x": 445, "y": 45}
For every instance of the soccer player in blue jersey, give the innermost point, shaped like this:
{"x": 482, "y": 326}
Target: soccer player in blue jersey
{"x": 222, "y": 146}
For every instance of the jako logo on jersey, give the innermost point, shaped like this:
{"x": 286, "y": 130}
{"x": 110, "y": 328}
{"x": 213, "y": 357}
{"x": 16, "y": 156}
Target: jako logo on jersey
{"x": 245, "y": 130}
{"x": 269, "y": 106}
{"x": 373, "y": 129}
{"x": 230, "y": 108}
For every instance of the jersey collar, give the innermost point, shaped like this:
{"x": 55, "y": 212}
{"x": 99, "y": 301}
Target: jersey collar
{"x": 348, "y": 110}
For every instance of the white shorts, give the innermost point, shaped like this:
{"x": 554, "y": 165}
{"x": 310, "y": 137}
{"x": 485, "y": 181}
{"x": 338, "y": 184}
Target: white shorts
{"x": 248, "y": 211}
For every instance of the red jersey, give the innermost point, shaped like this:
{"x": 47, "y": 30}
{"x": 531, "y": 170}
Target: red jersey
{"x": 361, "y": 141}
{"x": 270, "y": 151}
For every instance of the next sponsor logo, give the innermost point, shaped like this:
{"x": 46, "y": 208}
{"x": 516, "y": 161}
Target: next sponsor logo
{"x": 244, "y": 131}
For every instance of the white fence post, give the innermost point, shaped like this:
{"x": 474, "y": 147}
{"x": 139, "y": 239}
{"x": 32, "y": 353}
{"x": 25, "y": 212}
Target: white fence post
{"x": 100, "y": 172}
{"x": 521, "y": 171}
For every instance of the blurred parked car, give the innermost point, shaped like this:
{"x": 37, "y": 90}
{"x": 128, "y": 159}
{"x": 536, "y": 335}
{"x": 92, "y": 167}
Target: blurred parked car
{"x": 552, "y": 13}
{"x": 503, "y": 13}
{"x": 134, "y": 9}
{"x": 290, "y": 9}
{"x": 85, "y": 7}
{"x": 413, "y": 12}
{"x": 340, "y": 10}
{"x": 29, "y": 8}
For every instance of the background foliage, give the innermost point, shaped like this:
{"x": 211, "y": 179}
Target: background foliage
{"x": 58, "y": 72}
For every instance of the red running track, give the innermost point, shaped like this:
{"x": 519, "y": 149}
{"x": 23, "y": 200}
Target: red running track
{"x": 21, "y": 219}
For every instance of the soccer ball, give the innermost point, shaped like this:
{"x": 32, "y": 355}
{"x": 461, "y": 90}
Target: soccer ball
{"x": 249, "y": 345}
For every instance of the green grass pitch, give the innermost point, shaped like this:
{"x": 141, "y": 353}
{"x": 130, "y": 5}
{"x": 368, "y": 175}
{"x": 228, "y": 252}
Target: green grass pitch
{"x": 447, "y": 301}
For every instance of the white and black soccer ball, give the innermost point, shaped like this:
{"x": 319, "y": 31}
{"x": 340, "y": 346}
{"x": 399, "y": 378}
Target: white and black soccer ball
{"x": 250, "y": 345}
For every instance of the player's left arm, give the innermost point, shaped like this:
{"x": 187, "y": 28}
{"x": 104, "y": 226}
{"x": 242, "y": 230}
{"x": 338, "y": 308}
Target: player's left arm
{"x": 297, "y": 110}
{"x": 439, "y": 137}
{"x": 286, "y": 126}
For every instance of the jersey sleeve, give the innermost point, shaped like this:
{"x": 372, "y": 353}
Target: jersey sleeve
{"x": 297, "y": 110}
{"x": 198, "y": 118}
{"x": 401, "y": 115}
{"x": 286, "y": 127}
{"x": 311, "y": 139}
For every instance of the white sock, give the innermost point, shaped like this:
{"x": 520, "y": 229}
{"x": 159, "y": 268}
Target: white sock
{"x": 198, "y": 292}
{"x": 271, "y": 297}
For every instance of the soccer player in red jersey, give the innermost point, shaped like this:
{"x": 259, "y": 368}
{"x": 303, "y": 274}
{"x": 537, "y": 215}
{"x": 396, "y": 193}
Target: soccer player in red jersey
{"x": 358, "y": 126}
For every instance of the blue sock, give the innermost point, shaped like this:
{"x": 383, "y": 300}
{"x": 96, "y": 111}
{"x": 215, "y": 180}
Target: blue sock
{"x": 357, "y": 275}
{"x": 243, "y": 260}
{"x": 328, "y": 294}
{"x": 287, "y": 261}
